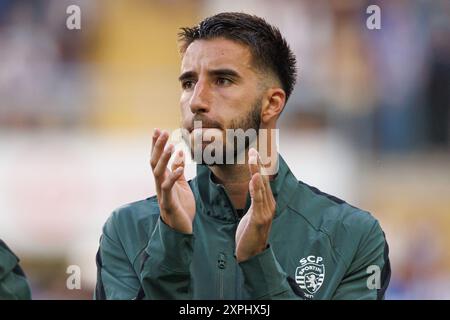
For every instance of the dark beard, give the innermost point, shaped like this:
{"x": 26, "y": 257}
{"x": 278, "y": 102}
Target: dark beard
{"x": 252, "y": 120}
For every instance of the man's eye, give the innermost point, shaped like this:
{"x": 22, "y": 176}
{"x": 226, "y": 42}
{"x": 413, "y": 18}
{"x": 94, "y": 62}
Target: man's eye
{"x": 187, "y": 84}
{"x": 223, "y": 82}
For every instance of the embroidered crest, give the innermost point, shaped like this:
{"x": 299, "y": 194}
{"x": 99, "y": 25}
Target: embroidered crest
{"x": 310, "y": 275}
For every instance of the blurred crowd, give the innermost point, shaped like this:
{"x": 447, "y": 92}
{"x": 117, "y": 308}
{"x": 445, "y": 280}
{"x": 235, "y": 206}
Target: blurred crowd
{"x": 388, "y": 88}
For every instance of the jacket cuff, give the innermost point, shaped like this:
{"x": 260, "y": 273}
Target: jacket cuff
{"x": 170, "y": 248}
{"x": 263, "y": 275}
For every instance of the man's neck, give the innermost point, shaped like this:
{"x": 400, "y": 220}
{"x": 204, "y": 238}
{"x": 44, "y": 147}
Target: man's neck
{"x": 235, "y": 179}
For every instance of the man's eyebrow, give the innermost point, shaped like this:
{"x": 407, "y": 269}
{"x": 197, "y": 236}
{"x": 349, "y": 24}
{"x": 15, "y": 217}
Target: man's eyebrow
{"x": 224, "y": 73}
{"x": 214, "y": 72}
{"x": 187, "y": 75}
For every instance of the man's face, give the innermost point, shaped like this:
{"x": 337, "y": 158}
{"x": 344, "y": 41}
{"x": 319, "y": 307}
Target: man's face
{"x": 220, "y": 88}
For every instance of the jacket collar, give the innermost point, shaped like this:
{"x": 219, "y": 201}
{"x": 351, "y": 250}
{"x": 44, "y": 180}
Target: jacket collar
{"x": 215, "y": 201}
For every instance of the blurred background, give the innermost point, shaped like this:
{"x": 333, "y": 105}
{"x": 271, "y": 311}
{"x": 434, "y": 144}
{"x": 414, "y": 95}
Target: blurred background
{"x": 368, "y": 122}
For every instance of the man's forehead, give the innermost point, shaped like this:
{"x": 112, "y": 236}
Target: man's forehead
{"x": 216, "y": 53}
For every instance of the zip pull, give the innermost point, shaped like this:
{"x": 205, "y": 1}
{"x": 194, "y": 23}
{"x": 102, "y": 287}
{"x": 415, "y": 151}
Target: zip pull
{"x": 221, "y": 261}
{"x": 221, "y": 264}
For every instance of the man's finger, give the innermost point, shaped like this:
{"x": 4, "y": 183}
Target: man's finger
{"x": 267, "y": 190}
{"x": 167, "y": 185}
{"x": 178, "y": 161}
{"x": 254, "y": 156}
{"x": 161, "y": 166}
{"x": 256, "y": 193}
{"x": 253, "y": 161}
{"x": 158, "y": 148}
{"x": 265, "y": 177}
{"x": 268, "y": 202}
{"x": 156, "y": 134}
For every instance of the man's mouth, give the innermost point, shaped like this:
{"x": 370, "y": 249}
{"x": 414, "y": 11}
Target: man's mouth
{"x": 202, "y": 128}
{"x": 203, "y": 123}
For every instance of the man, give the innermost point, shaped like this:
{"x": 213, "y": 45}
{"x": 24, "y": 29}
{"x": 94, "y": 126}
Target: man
{"x": 237, "y": 231}
{"x": 13, "y": 283}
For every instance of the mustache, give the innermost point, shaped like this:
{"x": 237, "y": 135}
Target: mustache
{"x": 205, "y": 121}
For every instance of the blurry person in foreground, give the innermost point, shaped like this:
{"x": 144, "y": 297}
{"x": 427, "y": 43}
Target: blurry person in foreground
{"x": 13, "y": 282}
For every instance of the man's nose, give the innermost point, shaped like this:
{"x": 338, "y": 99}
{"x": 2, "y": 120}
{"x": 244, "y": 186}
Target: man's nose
{"x": 200, "y": 99}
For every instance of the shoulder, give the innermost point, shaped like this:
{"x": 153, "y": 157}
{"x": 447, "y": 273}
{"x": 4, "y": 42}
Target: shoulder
{"x": 327, "y": 212}
{"x": 135, "y": 214}
{"x": 130, "y": 225}
{"x": 348, "y": 228}
{"x": 13, "y": 284}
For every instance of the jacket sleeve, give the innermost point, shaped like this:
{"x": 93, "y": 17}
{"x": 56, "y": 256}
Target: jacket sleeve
{"x": 265, "y": 279}
{"x": 164, "y": 271}
{"x": 116, "y": 278}
{"x": 13, "y": 283}
{"x": 367, "y": 278}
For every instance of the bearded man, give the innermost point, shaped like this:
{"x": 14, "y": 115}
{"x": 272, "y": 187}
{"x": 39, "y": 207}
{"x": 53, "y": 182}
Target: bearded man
{"x": 240, "y": 229}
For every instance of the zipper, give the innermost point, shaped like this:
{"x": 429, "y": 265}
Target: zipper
{"x": 236, "y": 216}
{"x": 222, "y": 258}
{"x": 221, "y": 264}
{"x": 238, "y": 291}
{"x": 238, "y": 287}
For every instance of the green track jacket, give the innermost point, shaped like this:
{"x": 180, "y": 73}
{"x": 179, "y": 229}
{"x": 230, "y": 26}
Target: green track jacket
{"x": 13, "y": 283}
{"x": 320, "y": 247}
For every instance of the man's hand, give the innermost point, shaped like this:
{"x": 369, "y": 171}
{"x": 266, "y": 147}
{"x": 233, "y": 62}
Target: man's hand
{"x": 175, "y": 198}
{"x": 253, "y": 231}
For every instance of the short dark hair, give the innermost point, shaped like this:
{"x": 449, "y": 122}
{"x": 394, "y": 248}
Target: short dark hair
{"x": 269, "y": 49}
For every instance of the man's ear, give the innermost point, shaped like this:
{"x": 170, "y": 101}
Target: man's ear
{"x": 274, "y": 101}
